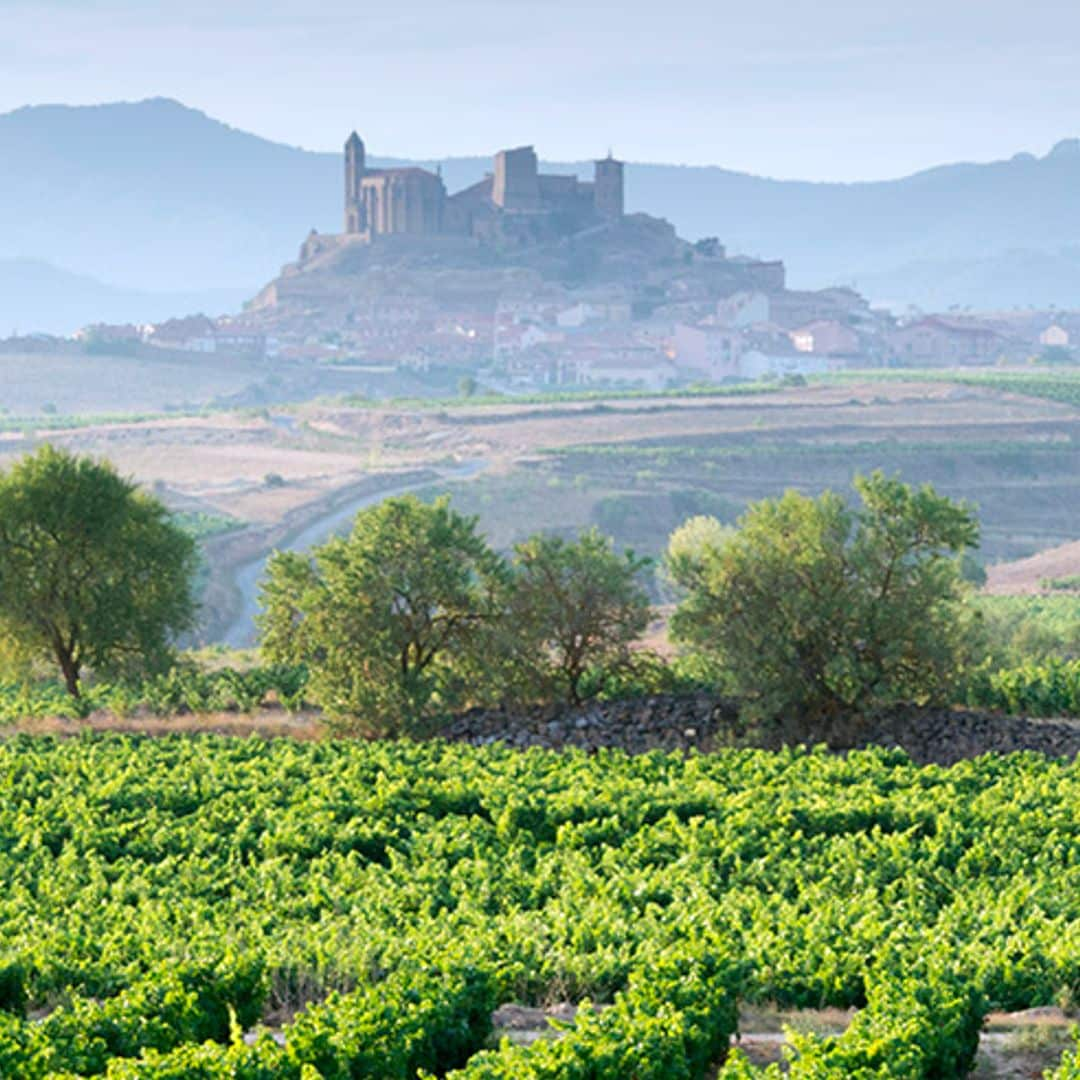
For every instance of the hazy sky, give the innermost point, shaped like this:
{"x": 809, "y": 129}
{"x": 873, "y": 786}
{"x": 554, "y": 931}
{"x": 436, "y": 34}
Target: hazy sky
{"x": 834, "y": 89}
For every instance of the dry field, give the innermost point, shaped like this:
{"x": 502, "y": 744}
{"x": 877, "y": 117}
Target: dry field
{"x": 221, "y": 461}
{"x": 72, "y": 385}
{"x": 633, "y": 466}
{"x": 831, "y": 413}
{"x": 636, "y": 469}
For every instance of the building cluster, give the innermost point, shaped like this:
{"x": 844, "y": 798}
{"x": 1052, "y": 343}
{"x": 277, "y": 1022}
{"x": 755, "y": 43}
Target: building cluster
{"x": 551, "y": 336}
{"x": 754, "y": 334}
{"x": 191, "y": 334}
{"x": 541, "y": 279}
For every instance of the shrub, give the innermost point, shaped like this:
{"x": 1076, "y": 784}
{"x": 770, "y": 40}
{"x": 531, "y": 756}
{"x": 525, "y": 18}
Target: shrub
{"x": 819, "y": 611}
{"x": 576, "y": 607}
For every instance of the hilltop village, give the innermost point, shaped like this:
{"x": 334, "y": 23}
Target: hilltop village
{"x": 535, "y": 279}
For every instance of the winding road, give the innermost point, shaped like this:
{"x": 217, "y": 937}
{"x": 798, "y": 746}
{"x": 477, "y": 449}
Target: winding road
{"x": 240, "y": 633}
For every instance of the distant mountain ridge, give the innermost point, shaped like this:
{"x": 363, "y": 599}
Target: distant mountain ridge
{"x": 159, "y": 198}
{"x": 36, "y": 296}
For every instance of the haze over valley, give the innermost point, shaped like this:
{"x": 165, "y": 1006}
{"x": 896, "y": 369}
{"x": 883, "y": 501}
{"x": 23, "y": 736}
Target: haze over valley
{"x": 170, "y": 211}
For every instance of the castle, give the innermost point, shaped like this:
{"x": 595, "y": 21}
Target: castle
{"x": 515, "y": 203}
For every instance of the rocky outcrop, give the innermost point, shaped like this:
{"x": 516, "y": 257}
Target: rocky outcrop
{"x": 705, "y": 722}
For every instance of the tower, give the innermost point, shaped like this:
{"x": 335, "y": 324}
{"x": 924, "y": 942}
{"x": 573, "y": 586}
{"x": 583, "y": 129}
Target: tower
{"x": 608, "y": 188}
{"x": 355, "y": 168}
{"x": 517, "y": 184}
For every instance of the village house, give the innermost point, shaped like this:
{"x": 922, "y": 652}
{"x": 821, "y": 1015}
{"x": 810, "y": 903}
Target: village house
{"x": 586, "y": 312}
{"x": 524, "y": 349}
{"x": 708, "y": 349}
{"x": 760, "y": 363}
{"x": 1054, "y": 336}
{"x": 579, "y": 315}
{"x": 768, "y": 351}
{"x": 627, "y": 364}
{"x": 937, "y": 340}
{"x": 826, "y": 337}
{"x": 743, "y": 309}
{"x": 794, "y": 309}
{"x": 195, "y": 333}
{"x": 243, "y": 339}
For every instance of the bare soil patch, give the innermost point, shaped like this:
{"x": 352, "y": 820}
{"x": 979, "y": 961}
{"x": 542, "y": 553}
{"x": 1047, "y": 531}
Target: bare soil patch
{"x": 1025, "y": 576}
{"x": 264, "y": 724}
{"x": 1013, "y": 1046}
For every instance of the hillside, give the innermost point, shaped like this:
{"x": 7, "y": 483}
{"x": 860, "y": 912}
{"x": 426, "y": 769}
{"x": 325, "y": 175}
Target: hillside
{"x": 37, "y": 296}
{"x": 157, "y": 197}
{"x": 1017, "y": 278}
{"x": 1031, "y": 575}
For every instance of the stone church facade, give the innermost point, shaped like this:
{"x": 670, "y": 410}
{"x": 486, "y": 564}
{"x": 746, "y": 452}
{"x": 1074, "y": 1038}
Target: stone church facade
{"x": 515, "y": 202}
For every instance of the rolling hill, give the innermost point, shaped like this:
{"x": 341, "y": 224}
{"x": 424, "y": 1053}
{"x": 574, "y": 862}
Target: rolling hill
{"x": 157, "y": 198}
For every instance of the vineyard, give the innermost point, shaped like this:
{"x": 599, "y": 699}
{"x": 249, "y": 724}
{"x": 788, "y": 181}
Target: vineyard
{"x": 205, "y": 907}
{"x": 1047, "y": 689}
{"x": 183, "y": 689}
{"x": 1051, "y": 384}
{"x": 1043, "y": 690}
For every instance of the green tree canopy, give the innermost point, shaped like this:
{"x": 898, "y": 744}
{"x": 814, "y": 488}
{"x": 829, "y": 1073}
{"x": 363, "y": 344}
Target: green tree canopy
{"x": 1056, "y": 354}
{"x": 577, "y": 606}
{"x": 388, "y": 619}
{"x": 818, "y": 610}
{"x": 93, "y": 572}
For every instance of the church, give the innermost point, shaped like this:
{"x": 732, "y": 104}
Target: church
{"x": 513, "y": 203}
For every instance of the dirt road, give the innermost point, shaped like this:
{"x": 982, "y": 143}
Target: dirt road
{"x": 240, "y": 631}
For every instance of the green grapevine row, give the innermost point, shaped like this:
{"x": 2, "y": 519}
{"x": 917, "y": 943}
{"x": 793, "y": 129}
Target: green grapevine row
{"x": 183, "y": 689}
{"x": 1046, "y": 689}
{"x": 1063, "y": 386}
{"x": 1049, "y": 689}
{"x": 369, "y": 904}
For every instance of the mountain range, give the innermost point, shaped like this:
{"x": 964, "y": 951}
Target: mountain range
{"x": 134, "y": 210}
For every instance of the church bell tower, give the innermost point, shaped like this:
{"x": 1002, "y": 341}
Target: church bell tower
{"x": 608, "y": 188}
{"x": 355, "y": 167}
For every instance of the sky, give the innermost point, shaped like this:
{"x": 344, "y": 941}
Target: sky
{"x": 826, "y": 90}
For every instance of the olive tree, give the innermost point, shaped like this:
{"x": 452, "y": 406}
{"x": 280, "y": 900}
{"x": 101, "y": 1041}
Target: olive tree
{"x": 93, "y": 571}
{"x": 819, "y": 610}
{"x": 389, "y": 619}
{"x": 576, "y": 606}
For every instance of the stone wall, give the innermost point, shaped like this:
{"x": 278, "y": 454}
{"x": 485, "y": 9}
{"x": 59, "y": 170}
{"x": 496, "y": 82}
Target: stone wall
{"x": 705, "y": 722}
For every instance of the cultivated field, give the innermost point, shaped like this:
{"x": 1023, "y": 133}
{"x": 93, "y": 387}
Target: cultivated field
{"x": 638, "y": 471}
{"x": 1035, "y": 573}
{"x": 208, "y": 907}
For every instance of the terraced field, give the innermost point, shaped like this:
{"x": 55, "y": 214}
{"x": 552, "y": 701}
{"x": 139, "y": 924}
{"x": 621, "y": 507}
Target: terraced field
{"x": 634, "y": 466}
{"x": 1017, "y": 459}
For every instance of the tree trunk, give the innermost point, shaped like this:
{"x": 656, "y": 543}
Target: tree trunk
{"x": 70, "y": 667}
